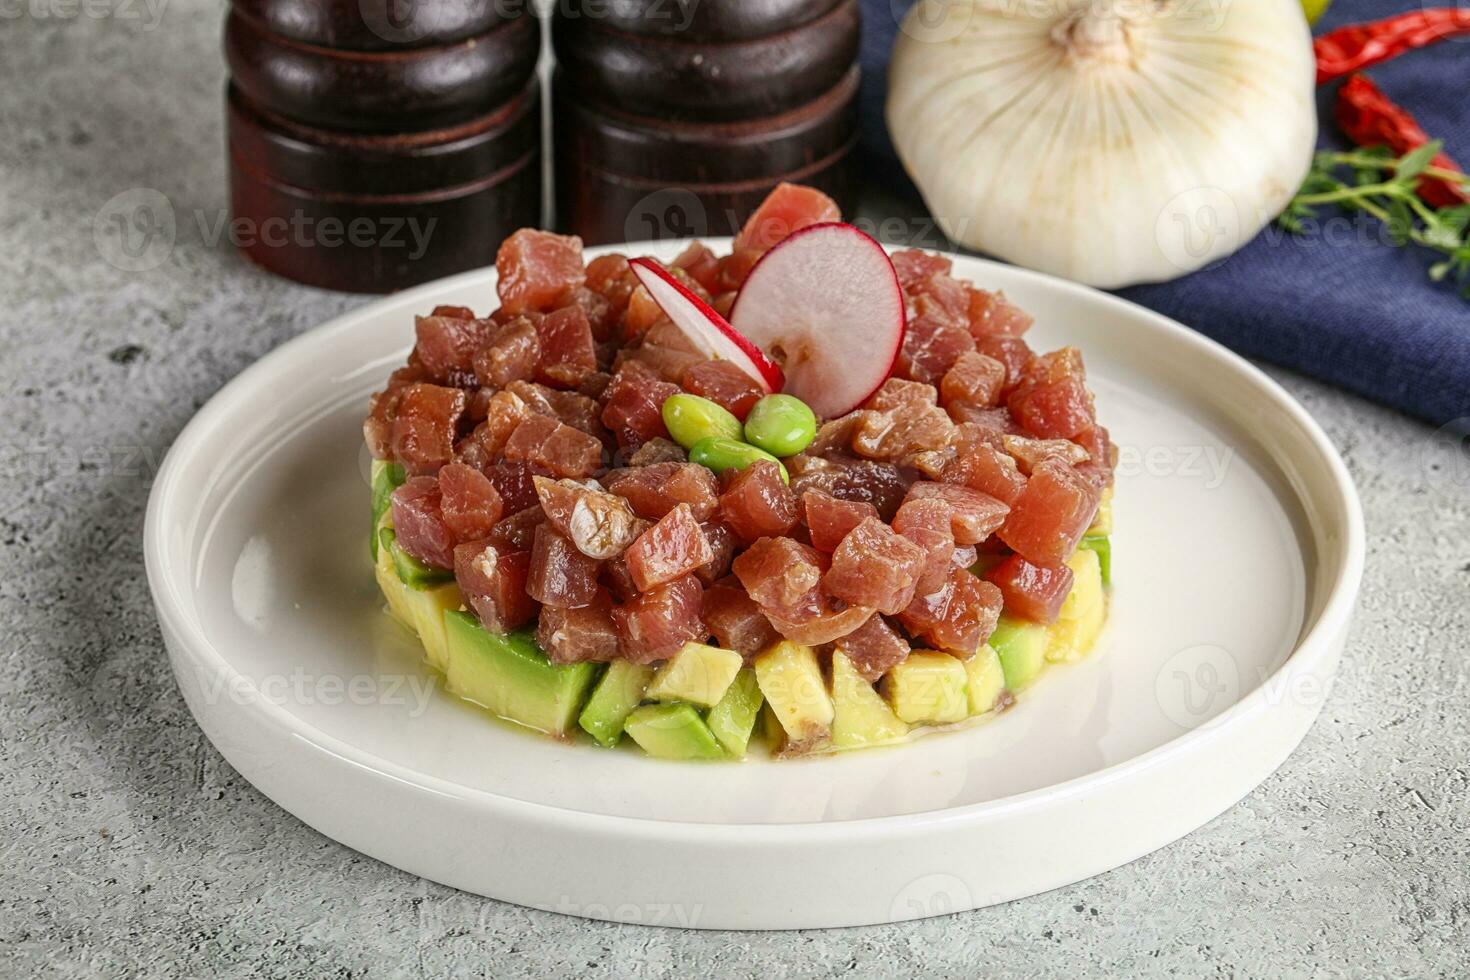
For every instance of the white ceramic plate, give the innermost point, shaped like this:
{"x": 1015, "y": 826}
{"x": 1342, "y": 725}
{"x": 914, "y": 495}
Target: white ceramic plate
{"x": 1238, "y": 554}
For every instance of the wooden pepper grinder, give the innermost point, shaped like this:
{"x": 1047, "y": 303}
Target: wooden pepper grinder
{"x": 370, "y": 152}
{"x": 675, "y": 118}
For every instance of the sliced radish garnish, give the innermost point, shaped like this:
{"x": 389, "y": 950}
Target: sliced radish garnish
{"x": 826, "y": 304}
{"x": 710, "y": 333}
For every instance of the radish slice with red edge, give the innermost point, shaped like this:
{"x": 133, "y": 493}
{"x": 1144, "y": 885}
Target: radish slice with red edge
{"x": 710, "y": 333}
{"x": 826, "y": 303}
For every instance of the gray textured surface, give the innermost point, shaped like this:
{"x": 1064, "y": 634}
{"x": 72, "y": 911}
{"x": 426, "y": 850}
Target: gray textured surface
{"x": 128, "y": 847}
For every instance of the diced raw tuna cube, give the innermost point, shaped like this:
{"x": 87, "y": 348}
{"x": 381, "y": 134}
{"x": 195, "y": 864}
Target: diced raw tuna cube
{"x": 578, "y": 411}
{"x": 510, "y": 355}
{"x": 446, "y": 347}
{"x": 579, "y": 635}
{"x": 834, "y": 620}
{"x": 788, "y": 208}
{"x": 1102, "y": 457}
{"x": 418, "y": 522}
{"x": 600, "y": 524}
{"x": 724, "y": 384}
{"x": 914, "y": 266}
{"x": 876, "y": 567}
{"x": 931, "y": 344}
{"x": 503, "y": 413}
{"x": 642, "y": 312}
{"x": 653, "y": 491}
{"x": 654, "y": 625}
{"x": 567, "y": 352}
{"x": 758, "y": 503}
{"x": 941, "y": 294}
{"x": 1010, "y": 351}
{"x": 377, "y": 428}
{"x": 554, "y": 447}
{"x": 733, "y": 268}
{"x": 927, "y": 524}
{"x": 512, "y": 479}
{"x": 610, "y": 277}
{"x": 666, "y": 362}
{"x": 518, "y": 531}
{"x": 958, "y": 618}
{"x": 990, "y": 471}
{"x": 470, "y": 503}
{"x": 829, "y": 520}
{"x": 723, "y": 543}
{"x": 617, "y": 580}
{"x": 560, "y": 575}
{"x": 700, "y": 262}
{"x": 656, "y": 451}
{"x": 974, "y": 516}
{"x": 847, "y": 478}
{"x": 735, "y": 620}
{"x": 672, "y": 548}
{"x": 1034, "y": 592}
{"x": 899, "y": 421}
{"x": 1028, "y": 453}
{"x": 874, "y": 648}
{"x": 1051, "y": 515}
{"x": 492, "y": 580}
{"x": 975, "y": 379}
{"x": 992, "y": 315}
{"x": 535, "y": 267}
{"x": 782, "y": 575}
{"x": 633, "y": 405}
{"x": 425, "y": 426}
{"x": 602, "y": 316}
{"x": 836, "y": 435}
{"x": 1052, "y": 400}
{"x": 459, "y": 312}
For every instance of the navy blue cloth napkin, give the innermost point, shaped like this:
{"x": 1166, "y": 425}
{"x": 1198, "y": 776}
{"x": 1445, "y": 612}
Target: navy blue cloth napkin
{"x": 1356, "y": 313}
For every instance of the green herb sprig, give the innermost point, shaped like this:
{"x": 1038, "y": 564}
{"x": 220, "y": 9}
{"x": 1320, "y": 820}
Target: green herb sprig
{"x": 1373, "y": 181}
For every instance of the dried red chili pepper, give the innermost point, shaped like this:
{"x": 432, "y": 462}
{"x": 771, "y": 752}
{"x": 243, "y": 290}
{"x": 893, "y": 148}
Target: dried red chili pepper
{"x": 1370, "y": 118}
{"x": 1357, "y": 46}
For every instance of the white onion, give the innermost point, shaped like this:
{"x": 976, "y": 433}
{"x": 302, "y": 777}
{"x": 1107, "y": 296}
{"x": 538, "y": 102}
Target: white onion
{"x": 1107, "y": 141}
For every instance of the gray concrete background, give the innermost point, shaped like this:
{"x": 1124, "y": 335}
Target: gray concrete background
{"x": 128, "y": 847}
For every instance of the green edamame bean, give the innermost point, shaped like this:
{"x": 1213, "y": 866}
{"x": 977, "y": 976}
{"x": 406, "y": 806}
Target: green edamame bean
{"x": 782, "y": 425}
{"x": 721, "y": 454}
{"x": 690, "y": 418}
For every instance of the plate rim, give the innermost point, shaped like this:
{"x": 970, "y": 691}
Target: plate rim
{"x": 1314, "y": 645}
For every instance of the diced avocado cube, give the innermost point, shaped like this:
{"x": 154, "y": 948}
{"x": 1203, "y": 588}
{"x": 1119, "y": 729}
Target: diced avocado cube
{"x": 394, "y": 590}
{"x": 386, "y": 477}
{"x": 986, "y": 678}
{"x": 771, "y": 729}
{"x": 1102, "y": 523}
{"x": 1082, "y": 616}
{"x": 1021, "y": 646}
{"x": 672, "y": 731}
{"x": 860, "y": 717}
{"x": 732, "y": 720}
{"x": 791, "y": 680}
{"x": 619, "y": 691}
{"x": 927, "y": 689}
{"x": 509, "y": 675}
{"x": 698, "y": 674}
{"x": 1102, "y": 546}
{"x": 412, "y": 572}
